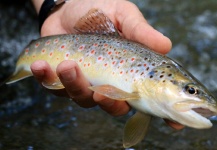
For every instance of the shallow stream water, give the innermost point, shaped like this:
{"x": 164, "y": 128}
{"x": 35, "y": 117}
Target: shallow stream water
{"x": 31, "y": 118}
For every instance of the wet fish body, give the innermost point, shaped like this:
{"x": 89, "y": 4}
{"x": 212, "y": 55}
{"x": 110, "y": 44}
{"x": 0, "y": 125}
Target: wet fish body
{"x": 124, "y": 70}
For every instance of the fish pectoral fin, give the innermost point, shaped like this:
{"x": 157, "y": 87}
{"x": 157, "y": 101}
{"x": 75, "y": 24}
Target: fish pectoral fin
{"x": 135, "y": 129}
{"x": 114, "y": 93}
{"x": 95, "y": 22}
{"x": 18, "y": 75}
{"x": 56, "y": 85}
{"x": 186, "y": 105}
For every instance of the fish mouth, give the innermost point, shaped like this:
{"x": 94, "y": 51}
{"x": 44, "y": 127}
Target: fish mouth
{"x": 196, "y": 114}
{"x": 205, "y": 112}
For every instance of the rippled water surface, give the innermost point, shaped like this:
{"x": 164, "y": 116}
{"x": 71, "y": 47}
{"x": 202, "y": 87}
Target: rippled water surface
{"x": 31, "y": 118}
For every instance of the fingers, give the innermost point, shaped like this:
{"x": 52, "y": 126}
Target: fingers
{"x": 134, "y": 27}
{"x": 174, "y": 125}
{"x": 43, "y": 72}
{"x": 75, "y": 83}
{"x": 113, "y": 107}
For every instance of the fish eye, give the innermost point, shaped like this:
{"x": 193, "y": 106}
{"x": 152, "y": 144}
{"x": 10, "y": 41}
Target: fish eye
{"x": 191, "y": 89}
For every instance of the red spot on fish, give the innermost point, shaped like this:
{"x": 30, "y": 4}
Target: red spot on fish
{"x": 77, "y": 39}
{"x": 81, "y": 47}
{"x": 36, "y": 45}
{"x": 113, "y": 62}
{"x": 67, "y": 55}
{"x": 132, "y": 59}
{"x": 122, "y": 61}
{"x": 43, "y": 50}
{"x": 92, "y": 51}
{"x": 109, "y": 52}
{"x": 131, "y": 70}
{"x": 56, "y": 40}
{"x": 95, "y": 44}
{"x": 80, "y": 60}
{"x": 51, "y": 53}
{"x": 106, "y": 65}
{"x": 63, "y": 46}
{"x": 27, "y": 51}
{"x": 48, "y": 42}
{"x": 144, "y": 65}
{"x": 99, "y": 58}
{"x": 33, "y": 56}
{"x": 124, "y": 50}
{"x": 105, "y": 45}
{"x": 88, "y": 64}
{"x": 84, "y": 65}
{"x": 121, "y": 72}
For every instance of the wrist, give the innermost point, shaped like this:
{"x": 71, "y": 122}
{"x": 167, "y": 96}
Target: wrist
{"x": 44, "y": 8}
{"x": 37, "y": 4}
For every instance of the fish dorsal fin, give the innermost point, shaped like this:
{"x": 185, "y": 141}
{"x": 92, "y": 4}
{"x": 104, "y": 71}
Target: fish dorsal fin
{"x": 135, "y": 129}
{"x": 95, "y": 22}
{"x": 114, "y": 93}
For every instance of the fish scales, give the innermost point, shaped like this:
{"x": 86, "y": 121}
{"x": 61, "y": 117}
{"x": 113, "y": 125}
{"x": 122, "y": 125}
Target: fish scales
{"x": 93, "y": 53}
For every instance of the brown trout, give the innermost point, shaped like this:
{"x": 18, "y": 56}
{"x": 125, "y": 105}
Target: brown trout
{"x": 124, "y": 70}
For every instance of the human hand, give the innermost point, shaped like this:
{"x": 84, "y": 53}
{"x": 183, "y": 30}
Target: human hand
{"x": 127, "y": 19}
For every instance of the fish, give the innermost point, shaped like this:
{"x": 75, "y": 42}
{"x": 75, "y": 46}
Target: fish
{"x": 124, "y": 70}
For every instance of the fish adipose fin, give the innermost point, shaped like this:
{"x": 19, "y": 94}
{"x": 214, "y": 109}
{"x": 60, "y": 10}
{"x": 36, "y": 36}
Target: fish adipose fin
{"x": 18, "y": 75}
{"x": 114, "y": 93}
{"x": 135, "y": 129}
{"x": 95, "y": 22}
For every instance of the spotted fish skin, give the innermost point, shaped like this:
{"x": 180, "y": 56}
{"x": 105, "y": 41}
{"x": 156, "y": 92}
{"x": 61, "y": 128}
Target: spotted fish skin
{"x": 98, "y": 56}
{"x": 124, "y": 70}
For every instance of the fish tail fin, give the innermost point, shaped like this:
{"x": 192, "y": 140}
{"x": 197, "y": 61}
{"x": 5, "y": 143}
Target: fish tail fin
{"x": 17, "y": 76}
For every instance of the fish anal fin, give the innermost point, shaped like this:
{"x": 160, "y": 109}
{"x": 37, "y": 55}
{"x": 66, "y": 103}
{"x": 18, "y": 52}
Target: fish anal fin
{"x": 18, "y": 75}
{"x": 114, "y": 93}
{"x": 135, "y": 129}
{"x": 95, "y": 22}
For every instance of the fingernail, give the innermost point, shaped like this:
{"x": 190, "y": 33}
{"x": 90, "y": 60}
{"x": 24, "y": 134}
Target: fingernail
{"x": 69, "y": 75}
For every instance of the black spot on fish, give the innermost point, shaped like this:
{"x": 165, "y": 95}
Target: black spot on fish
{"x": 168, "y": 66}
{"x": 161, "y": 76}
{"x": 151, "y": 76}
{"x": 163, "y": 72}
{"x": 170, "y": 75}
{"x": 139, "y": 65}
{"x": 153, "y": 64}
{"x": 147, "y": 68}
